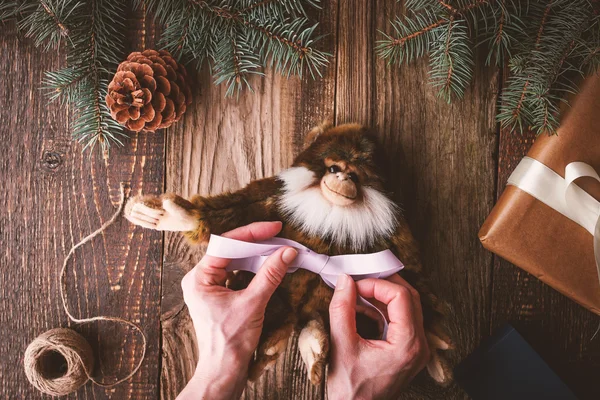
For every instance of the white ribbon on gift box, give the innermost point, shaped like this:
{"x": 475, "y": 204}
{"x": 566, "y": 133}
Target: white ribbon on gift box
{"x": 247, "y": 256}
{"x": 562, "y": 194}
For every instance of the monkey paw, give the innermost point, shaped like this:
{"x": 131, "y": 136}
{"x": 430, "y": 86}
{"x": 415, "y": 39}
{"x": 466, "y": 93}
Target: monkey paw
{"x": 438, "y": 366}
{"x": 165, "y": 213}
{"x": 313, "y": 343}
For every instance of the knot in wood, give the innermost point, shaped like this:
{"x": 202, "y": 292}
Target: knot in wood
{"x": 51, "y": 160}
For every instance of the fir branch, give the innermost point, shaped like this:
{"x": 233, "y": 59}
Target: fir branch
{"x": 545, "y": 43}
{"x": 95, "y": 47}
{"x": 451, "y": 60}
{"x": 254, "y": 6}
{"x": 92, "y": 33}
{"x": 12, "y": 9}
{"x": 412, "y": 40}
{"x": 268, "y": 9}
{"x": 414, "y": 35}
{"x": 63, "y": 85}
{"x": 543, "y": 69}
{"x": 588, "y": 46}
{"x": 276, "y": 32}
{"x": 47, "y": 24}
{"x": 58, "y": 21}
{"x": 98, "y": 53}
{"x": 502, "y": 26}
{"x": 234, "y": 62}
{"x": 248, "y": 33}
{"x": 516, "y": 111}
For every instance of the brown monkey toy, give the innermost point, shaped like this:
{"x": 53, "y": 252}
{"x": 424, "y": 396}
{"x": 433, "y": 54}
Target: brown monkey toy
{"x": 333, "y": 201}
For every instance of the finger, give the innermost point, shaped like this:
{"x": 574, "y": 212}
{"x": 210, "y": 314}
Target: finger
{"x": 368, "y": 311}
{"x": 255, "y": 232}
{"x": 143, "y": 217}
{"x": 342, "y": 312}
{"x": 144, "y": 209}
{"x": 395, "y": 278}
{"x": 400, "y": 306}
{"x": 270, "y": 275}
{"x": 211, "y": 269}
{"x": 140, "y": 222}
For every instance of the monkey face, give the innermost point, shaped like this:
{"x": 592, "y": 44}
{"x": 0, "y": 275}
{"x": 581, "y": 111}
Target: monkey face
{"x": 339, "y": 184}
{"x": 334, "y": 189}
{"x": 343, "y": 161}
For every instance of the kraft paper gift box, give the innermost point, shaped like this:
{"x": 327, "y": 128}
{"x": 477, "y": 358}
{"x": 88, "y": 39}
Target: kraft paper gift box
{"x": 536, "y": 237}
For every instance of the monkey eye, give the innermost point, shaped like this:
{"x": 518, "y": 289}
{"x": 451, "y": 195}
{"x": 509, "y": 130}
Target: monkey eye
{"x": 353, "y": 177}
{"x": 334, "y": 168}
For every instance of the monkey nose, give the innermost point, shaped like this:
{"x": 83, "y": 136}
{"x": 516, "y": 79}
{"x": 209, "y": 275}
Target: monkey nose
{"x": 342, "y": 176}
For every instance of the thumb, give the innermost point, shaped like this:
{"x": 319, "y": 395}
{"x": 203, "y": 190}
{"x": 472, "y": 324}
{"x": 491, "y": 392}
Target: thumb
{"x": 270, "y": 275}
{"x": 342, "y": 311}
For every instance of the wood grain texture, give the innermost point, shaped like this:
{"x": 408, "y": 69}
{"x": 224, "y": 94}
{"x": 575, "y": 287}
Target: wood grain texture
{"x": 355, "y": 57}
{"x": 443, "y": 166}
{"x": 555, "y": 326}
{"x": 220, "y": 145}
{"x": 442, "y": 162}
{"x": 54, "y": 195}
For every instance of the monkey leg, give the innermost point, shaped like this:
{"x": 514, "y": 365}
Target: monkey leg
{"x": 434, "y": 313}
{"x": 313, "y": 344}
{"x": 168, "y": 212}
{"x": 438, "y": 366}
{"x": 434, "y": 318}
{"x": 277, "y": 328}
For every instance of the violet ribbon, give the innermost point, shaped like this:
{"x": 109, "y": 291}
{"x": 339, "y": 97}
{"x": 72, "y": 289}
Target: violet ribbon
{"x": 247, "y": 256}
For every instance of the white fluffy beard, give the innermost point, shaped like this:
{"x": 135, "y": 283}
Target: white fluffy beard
{"x": 357, "y": 225}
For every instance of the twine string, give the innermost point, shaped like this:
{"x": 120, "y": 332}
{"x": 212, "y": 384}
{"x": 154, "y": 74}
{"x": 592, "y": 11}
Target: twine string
{"x": 124, "y": 190}
{"x": 70, "y": 345}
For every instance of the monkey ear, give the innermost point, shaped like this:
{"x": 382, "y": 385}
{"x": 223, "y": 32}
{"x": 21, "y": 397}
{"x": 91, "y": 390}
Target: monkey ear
{"x": 316, "y": 132}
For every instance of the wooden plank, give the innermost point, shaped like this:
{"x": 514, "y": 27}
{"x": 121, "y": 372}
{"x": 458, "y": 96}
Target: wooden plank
{"x": 222, "y": 144}
{"x": 535, "y": 309}
{"x": 355, "y": 57}
{"x": 55, "y": 195}
{"x": 442, "y": 162}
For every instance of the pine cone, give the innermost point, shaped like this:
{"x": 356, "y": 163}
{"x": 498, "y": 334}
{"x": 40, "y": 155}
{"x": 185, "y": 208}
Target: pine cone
{"x": 149, "y": 91}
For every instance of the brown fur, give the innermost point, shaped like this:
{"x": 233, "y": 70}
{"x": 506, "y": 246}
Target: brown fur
{"x": 303, "y": 296}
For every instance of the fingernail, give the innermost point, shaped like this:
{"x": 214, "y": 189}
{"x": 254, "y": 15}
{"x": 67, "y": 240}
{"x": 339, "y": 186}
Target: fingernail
{"x": 289, "y": 255}
{"x": 342, "y": 282}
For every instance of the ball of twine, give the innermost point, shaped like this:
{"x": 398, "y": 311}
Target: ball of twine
{"x": 59, "y": 361}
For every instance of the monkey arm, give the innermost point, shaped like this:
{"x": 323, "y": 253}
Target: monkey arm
{"x": 227, "y": 211}
{"x": 200, "y": 216}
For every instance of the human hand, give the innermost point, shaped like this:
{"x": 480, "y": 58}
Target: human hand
{"x": 228, "y": 323}
{"x": 375, "y": 369}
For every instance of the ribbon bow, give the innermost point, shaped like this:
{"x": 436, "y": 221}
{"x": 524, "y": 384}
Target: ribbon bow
{"x": 247, "y": 256}
{"x": 562, "y": 194}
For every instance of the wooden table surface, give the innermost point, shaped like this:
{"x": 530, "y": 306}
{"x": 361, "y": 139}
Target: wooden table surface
{"x": 449, "y": 162}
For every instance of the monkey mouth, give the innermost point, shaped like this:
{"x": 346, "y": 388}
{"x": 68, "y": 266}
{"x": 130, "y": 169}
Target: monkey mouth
{"x": 338, "y": 193}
